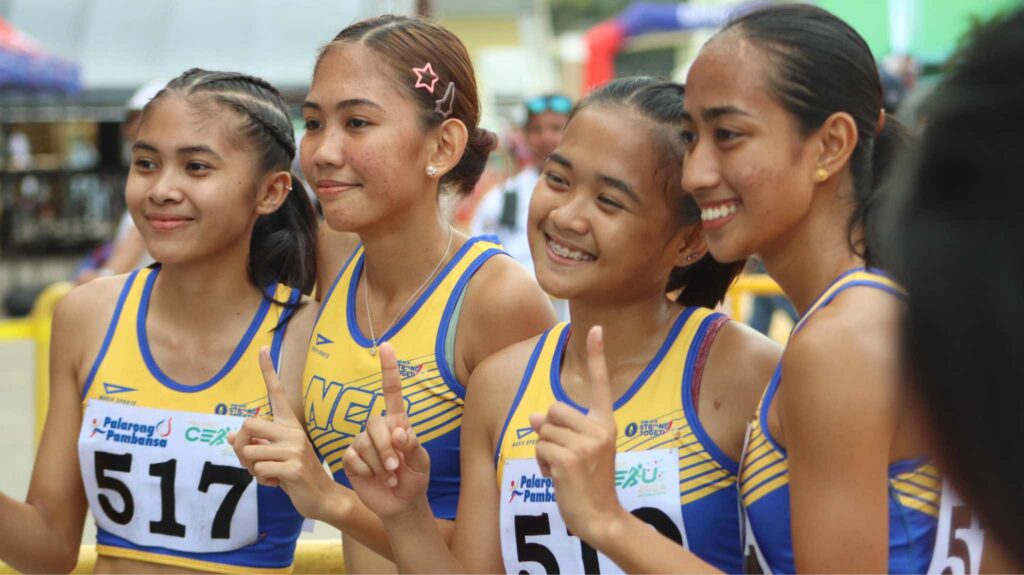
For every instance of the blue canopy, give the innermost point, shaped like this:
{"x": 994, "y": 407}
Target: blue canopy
{"x": 25, "y": 66}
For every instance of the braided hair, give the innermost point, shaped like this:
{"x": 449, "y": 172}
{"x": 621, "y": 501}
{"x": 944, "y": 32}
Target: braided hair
{"x": 283, "y": 245}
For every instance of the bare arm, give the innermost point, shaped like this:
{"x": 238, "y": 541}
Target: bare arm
{"x": 44, "y": 533}
{"x": 839, "y": 410}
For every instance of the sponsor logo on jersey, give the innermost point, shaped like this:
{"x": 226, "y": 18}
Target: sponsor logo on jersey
{"x": 237, "y": 409}
{"x": 533, "y": 489}
{"x": 121, "y": 430}
{"x": 113, "y": 388}
{"x": 648, "y": 428}
{"x": 321, "y": 340}
{"x": 209, "y": 435}
{"x": 407, "y": 370}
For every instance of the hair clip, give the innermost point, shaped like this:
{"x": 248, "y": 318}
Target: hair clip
{"x": 448, "y": 100}
{"x": 428, "y": 73}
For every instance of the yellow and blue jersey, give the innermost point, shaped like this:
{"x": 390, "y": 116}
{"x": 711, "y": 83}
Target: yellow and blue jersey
{"x": 658, "y": 411}
{"x": 915, "y": 485}
{"x": 343, "y": 380}
{"x": 125, "y": 372}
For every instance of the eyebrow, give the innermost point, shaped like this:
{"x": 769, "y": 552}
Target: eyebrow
{"x": 182, "y": 151}
{"x": 349, "y": 103}
{"x": 607, "y": 180}
{"x": 716, "y": 112}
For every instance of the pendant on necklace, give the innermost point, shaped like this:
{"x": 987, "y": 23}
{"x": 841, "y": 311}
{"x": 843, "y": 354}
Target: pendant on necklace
{"x": 373, "y": 351}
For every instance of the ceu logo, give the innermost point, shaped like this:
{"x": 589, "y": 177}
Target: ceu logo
{"x": 639, "y": 474}
{"x": 120, "y": 430}
{"x": 648, "y": 428}
{"x": 210, "y": 435}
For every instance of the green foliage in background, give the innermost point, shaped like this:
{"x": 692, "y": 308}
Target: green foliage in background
{"x": 582, "y": 14}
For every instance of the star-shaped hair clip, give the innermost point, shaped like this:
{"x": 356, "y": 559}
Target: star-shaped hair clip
{"x": 444, "y": 106}
{"x": 425, "y": 73}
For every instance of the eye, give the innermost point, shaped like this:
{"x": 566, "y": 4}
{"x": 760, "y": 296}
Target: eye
{"x": 312, "y": 124}
{"x": 194, "y": 166}
{"x": 356, "y": 123}
{"x": 724, "y": 135}
{"x": 144, "y": 164}
{"x": 555, "y": 181}
{"x": 609, "y": 202}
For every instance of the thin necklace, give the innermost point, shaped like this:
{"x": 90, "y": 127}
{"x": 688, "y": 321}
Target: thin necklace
{"x": 366, "y": 294}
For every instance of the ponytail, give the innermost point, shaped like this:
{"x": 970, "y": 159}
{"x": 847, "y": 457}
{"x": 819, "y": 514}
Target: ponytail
{"x": 283, "y": 245}
{"x": 887, "y": 148}
{"x": 704, "y": 283}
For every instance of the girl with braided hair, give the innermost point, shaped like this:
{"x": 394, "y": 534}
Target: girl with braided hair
{"x": 151, "y": 371}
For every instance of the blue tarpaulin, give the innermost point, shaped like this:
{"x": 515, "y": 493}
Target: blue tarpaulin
{"x": 25, "y": 66}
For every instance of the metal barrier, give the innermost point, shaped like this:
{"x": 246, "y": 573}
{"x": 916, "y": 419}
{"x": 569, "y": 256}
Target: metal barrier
{"x": 749, "y": 285}
{"x": 310, "y": 557}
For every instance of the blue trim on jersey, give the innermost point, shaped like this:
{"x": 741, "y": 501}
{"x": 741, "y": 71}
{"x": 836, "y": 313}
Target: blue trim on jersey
{"x": 282, "y": 328}
{"x": 446, "y": 319}
{"x": 769, "y": 395}
{"x": 110, "y": 331}
{"x": 556, "y": 365}
{"x": 353, "y": 323}
{"x": 690, "y": 409}
{"x": 334, "y": 284}
{"x": 150, "y": 361}
{"x": 527, "y": 375}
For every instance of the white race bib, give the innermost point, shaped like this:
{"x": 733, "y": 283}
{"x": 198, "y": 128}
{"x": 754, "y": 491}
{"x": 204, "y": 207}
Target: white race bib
{"x": 166, "y": 478}
{"x": 959, "y": 540}
{"x": 534, "y": 539}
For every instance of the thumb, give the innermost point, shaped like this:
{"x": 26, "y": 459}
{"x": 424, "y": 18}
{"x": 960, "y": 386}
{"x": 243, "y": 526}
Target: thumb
{"x": 597, "y": 371}
{"x": 415, "y": 456}
{"x": 279, "y": 405}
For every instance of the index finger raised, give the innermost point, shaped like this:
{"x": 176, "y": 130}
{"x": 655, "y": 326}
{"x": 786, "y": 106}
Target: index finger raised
{"x": 279, "y": 405}
{"x": 391, "y": 383}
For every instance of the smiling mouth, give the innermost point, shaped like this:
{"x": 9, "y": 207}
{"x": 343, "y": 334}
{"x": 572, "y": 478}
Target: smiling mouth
{"x": 718, "y": 212}
{"x": 566, "y": 252}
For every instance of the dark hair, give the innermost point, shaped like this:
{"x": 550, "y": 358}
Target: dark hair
{"x": 405, "y": 43}
{"x": 283, "y": 245}
{"x": 823, "y": 66}
{"x": 958, "y": 247}
{"x": 705, "y": 282}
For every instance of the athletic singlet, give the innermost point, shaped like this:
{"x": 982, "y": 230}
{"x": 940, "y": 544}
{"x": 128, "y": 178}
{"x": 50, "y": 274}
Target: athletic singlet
{"x": 343, "y": 383}
{"x": 160, "y": 475}
{"x": 914, "y": 485}
{"x": 661, "y": 447}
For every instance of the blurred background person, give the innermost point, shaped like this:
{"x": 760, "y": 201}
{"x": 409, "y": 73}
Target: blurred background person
{"x": 959, "y": 250}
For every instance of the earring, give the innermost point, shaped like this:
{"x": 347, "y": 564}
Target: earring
{"x": 431, "y": 171}
{"x": 820, "y": 175}
{"x": 691, "y": 257}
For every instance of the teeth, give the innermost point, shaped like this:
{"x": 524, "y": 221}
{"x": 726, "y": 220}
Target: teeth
{"x": 567, "y": 253}
{"x": 711, "y": 214}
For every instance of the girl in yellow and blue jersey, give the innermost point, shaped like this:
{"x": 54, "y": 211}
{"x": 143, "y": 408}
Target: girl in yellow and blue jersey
{"x": 151, "y": 372}
{"x": 611, "y": 232}
{"x": 788, "y": 153}
{"x": 391, "y": 123}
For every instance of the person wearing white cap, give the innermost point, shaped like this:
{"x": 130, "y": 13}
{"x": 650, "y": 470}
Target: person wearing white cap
{"x": 128, "y": 251}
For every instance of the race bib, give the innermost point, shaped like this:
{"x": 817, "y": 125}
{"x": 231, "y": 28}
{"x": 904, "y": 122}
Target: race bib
{"x": 959, "y": 540}
{"x": 534, "y": 539}
{"x": 166, "y": 478}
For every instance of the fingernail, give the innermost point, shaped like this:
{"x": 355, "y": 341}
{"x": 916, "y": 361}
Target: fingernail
{"x": 391, "y": 463}
{"x": 392, "y": 481}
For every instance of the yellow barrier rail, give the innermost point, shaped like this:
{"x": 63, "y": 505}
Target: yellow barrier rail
{"x": 749, "y": 285}
{"x": 310, "y": 557}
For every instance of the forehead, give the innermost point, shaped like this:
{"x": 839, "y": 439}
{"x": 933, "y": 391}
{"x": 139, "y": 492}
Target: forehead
{"x": 617, "y": 141}
{"x": 729, "y": 70}
{"x": 351, "y": 70}
{"x": 174, "y": 121}
{"x": 547, "y": 119}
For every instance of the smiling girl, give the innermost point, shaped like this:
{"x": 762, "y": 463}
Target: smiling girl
{"x": 611, "y": 232}
{"x": 163, "y": 362}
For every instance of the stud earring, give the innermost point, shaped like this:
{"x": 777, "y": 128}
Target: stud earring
{"x": 820, "y": 175}
{"x": 431, "y": 171}
{"x": 691, "y": 257}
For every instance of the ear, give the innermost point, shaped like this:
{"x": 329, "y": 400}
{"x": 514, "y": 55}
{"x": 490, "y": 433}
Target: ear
{"x": 838, "y": 138}
{"x": 448, "y": 146}
{"x": 274, "y": 192}
{"x": 690, "y": 245}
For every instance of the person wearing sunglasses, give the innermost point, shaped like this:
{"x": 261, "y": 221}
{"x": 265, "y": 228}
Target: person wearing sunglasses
{"x": 504, "y": 208}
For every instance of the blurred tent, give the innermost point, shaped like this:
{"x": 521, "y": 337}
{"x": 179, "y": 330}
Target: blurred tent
{"x": 26, "y": 66}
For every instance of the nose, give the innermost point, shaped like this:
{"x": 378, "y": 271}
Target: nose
{"x": 700, "y": 169}
{"x": 571, "y": 216}
{"x": 326, "y": 148}
{"x": 165, "y": 190}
